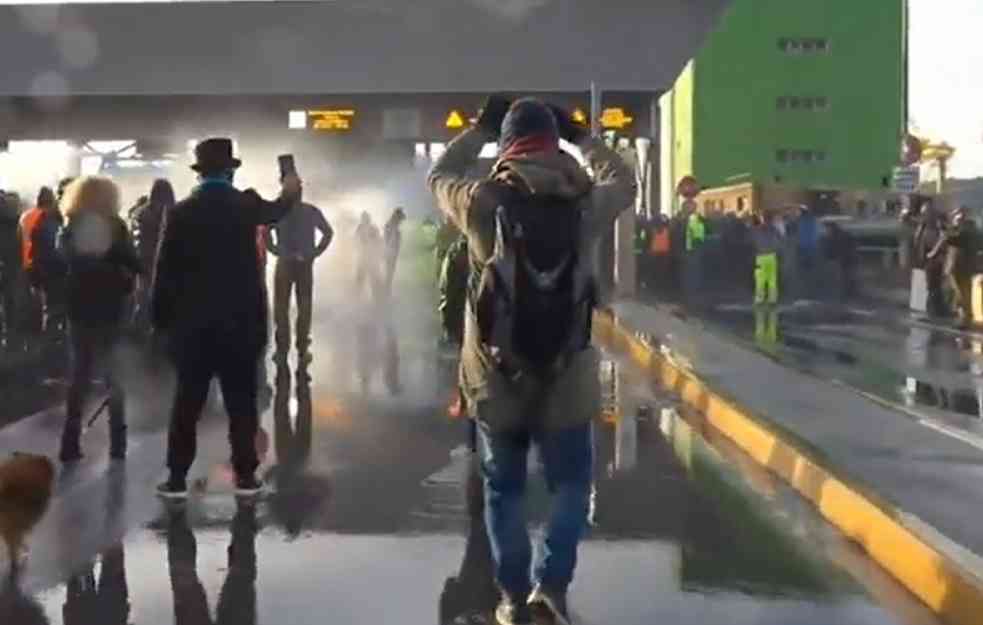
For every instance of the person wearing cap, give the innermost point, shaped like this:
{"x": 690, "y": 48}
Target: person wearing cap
{"x": 208, "y": 303}
{"x": 295, "y": 243}
{"x": 392, "y": 239}
{"x": 553, "y": 409}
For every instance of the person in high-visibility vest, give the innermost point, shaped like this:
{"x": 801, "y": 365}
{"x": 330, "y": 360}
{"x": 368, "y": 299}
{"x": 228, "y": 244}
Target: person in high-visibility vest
{"x": 767, "y": 243}
{"x": 695, "y": 238}
{"x": 696, "y": 231}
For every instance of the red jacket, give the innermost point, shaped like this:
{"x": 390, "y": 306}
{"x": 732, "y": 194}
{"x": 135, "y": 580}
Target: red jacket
{"x": 30, "y": 223}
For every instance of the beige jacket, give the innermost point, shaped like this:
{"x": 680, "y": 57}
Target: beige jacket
{"x": 574, "y": 397}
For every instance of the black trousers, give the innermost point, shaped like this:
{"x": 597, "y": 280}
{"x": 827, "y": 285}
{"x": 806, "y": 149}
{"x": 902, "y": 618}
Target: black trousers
{"x": 233, "y": 358}
{"x": 293, "y": 277}
{"x": 936, "y": 298}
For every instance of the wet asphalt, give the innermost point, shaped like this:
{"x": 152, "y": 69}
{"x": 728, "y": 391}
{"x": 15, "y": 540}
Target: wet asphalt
{"x": 928, "y": 365}
{"x": 373, "y": 514}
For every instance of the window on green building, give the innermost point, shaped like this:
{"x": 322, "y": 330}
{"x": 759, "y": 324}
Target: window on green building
{"x": 786, "y": 155}
{"x": 804, "y": 45}
{"x": 809, "y": 103}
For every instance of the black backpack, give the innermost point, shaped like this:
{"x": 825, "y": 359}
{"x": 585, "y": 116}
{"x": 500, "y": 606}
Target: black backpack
{"x": 534, "y": 298}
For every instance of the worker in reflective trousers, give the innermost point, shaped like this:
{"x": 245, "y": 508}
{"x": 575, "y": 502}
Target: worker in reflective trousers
{"x": 766, "y": 245}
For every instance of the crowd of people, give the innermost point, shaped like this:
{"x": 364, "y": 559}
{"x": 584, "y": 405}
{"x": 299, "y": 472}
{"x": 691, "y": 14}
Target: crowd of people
{"x": 186, "y": 279}
{"x": 943, "y": 252}
{"x": 793, "y": 253}
{"x": 517, "y": 254}
{"x": 767, "y": 253}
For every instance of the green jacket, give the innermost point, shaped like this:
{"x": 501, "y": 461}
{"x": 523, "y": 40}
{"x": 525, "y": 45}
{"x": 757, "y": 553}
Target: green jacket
{"x": 573, "y": 397}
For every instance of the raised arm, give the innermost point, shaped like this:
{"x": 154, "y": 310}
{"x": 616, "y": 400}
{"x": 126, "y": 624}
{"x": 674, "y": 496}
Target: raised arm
{"x": 614, "y": 184}
{"x": 448, "y": 179}
{"x": 260, "y": 212}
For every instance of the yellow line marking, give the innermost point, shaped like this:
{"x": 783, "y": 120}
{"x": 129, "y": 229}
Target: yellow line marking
{"x": 950, "y": 590}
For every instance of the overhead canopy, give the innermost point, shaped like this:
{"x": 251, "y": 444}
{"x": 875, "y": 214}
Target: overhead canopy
{"x": 348, "y": 46}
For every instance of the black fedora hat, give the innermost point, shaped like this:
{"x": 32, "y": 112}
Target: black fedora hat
{"x": 212, "y": 155}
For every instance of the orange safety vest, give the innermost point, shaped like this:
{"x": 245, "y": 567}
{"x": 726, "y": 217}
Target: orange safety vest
{"x": 29, "y": 224}
{"x": 659, "y": 243}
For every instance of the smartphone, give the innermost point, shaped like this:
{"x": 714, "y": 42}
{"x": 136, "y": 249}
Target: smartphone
{"x": 287, "y": 165}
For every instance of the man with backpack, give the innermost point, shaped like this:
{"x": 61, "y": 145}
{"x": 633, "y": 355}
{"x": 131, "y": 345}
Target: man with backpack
{"x": 528, "y": 371}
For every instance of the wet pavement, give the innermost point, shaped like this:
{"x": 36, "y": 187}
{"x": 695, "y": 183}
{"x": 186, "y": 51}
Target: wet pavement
{"x": 928, "y": 366}
{"x": 373, "y": 516}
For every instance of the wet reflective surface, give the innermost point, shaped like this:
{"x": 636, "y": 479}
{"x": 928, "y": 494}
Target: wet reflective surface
{"x": 374, "y": 516}
{"x": 898, "y": 357}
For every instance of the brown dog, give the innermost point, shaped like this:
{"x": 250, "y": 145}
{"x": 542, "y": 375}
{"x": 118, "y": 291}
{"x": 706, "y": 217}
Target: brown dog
{"x": 25, "y": 490}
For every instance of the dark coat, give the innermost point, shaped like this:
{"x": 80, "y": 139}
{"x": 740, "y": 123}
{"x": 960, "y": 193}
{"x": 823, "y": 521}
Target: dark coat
{"x": 207, "y": 277}
{"x": 98, "y": 281}
{"x": 146, "y": 225}
{"x": 9, "y": 248}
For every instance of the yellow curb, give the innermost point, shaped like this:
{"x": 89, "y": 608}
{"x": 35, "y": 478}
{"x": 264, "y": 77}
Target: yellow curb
{"x": 945, "y": 586}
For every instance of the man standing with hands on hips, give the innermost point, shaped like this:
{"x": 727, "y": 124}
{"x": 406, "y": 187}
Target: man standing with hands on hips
{"x": 292, "y": 241}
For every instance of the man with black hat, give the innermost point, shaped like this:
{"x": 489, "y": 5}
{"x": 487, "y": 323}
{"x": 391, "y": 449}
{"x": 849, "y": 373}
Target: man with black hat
{"x": 528, "y": 372}
{"x": 208, "y": 302}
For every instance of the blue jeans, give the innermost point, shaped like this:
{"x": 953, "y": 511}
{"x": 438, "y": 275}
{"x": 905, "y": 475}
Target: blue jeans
{"x": 567, "y": 456}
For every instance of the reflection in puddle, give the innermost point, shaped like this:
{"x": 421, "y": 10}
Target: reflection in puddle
{"x": 380, "y": 521}
{"x": 934, "y": 368}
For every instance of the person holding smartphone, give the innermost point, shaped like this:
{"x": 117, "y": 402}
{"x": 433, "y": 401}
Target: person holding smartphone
{"x": 208, "y": 306}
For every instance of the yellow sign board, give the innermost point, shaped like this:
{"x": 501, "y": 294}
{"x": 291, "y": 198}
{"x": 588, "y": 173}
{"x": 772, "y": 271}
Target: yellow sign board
{"x": 332, "y": 120}
{"x": 579, "y": 116}
{"x": 454, "y": 121}
{"x": 616, "y": 119}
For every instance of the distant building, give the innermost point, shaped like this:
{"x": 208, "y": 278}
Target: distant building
{"x": 790, "y": 98}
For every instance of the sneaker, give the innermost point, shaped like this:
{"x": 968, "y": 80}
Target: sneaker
{"x": 510, "y": 612}
{"x": 249, "y": 486}
{"x": 174, "y": 488}
{"x": 553, "y": 602}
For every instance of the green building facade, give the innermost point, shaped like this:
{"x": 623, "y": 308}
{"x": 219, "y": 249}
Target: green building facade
{"x": 802, "y": 93}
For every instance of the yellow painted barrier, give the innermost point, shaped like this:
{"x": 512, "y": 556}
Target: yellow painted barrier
{"x": 977, "y": 295}
{"x": 945, "y": 586}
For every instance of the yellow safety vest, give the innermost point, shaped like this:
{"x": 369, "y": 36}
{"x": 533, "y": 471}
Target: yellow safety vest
{"x": 695, "y": 232}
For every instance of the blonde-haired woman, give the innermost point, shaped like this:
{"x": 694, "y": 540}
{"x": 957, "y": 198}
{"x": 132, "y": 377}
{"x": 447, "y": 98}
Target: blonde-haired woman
{"x": 102, "y": 266}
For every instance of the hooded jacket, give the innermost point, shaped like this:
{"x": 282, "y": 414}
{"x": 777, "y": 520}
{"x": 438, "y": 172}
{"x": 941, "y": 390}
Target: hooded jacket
{"x": 573, "y": 397}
